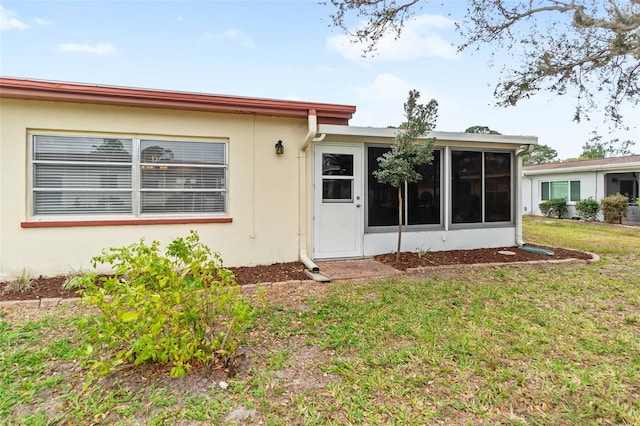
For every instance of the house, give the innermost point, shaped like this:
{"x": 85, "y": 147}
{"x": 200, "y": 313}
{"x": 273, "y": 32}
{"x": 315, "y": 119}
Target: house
{"x": 579, "y": 180}
{"x": 84, "y": 167}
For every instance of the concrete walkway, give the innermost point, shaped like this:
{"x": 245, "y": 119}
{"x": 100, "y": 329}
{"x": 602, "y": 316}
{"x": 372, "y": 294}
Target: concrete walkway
{"x": 356, "y": 269}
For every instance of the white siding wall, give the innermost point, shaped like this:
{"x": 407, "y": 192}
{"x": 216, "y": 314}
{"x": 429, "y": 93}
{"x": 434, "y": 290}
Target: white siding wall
{"x": 591, "y": 185}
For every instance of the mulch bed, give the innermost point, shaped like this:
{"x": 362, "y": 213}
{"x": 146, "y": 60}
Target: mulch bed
{"x": 466, "y": 257}
{"x": 52, "y": 287}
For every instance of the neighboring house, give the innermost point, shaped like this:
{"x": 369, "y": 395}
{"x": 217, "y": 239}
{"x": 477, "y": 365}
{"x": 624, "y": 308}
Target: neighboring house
{"x": 579, "y": 180}
{"x": 84, "y": 167}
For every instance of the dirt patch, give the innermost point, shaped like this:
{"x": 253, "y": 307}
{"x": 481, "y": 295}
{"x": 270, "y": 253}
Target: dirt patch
{"x": 52, "y": 287}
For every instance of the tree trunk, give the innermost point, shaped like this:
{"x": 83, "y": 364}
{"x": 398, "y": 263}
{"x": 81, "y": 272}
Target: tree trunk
{"x": 399, "y": 223}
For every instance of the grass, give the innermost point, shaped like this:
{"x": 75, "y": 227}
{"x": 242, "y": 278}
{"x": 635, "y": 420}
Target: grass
{"x": 509, "y": 345}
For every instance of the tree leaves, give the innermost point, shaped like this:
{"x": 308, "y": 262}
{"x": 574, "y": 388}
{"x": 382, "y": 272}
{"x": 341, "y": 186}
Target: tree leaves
{"x": 587, "y": 48}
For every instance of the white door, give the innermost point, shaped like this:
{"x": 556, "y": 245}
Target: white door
{"x": 338, "y": 200}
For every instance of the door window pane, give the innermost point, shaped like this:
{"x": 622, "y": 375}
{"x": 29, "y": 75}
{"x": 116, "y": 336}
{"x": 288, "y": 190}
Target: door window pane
{"x": 337, "y": 165}
{"x": 337, "y": 190}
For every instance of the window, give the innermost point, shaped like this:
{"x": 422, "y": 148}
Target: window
{"x": 78, "y": 176}
{"x": 568, "y": 190}
{"x": 421, "y": 199}
{"x": 337, "y": 178}
{"x": 481, "y": 187}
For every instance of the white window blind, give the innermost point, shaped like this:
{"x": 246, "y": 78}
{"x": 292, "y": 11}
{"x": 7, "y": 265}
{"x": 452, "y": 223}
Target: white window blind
{"x": 121, "y": 176}
{"x": 569, "y": 190}
{"x": 81, "y": 175}
{"x": 182, "y": 177}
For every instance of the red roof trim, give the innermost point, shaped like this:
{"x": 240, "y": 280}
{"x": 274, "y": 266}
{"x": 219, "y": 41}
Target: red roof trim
{"x": 125, "y": 96}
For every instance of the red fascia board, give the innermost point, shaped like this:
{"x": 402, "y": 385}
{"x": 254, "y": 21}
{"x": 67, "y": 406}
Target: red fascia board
{"x": 124, "y": 96}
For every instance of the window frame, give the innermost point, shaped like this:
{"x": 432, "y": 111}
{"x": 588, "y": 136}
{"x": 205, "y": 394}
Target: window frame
{"x": 368, "y": 229}
{"x": 136, "y": 164}
{"x": 483, "y": 223}
{"x": 570, "y": 183}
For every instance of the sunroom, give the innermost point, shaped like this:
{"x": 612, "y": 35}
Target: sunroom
{"x": 468, "y": 196}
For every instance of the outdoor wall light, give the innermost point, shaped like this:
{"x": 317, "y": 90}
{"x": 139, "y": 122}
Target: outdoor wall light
{"x": 279, "y": 148}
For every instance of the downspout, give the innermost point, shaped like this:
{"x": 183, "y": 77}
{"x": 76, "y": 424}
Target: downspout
{"x": 312, "y": 136}
{"x": 519, "y": 154}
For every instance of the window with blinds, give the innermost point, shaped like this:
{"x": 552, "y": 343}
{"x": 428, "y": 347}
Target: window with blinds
{"x": 569, "y": 190}
{"x": 79, "y": 176}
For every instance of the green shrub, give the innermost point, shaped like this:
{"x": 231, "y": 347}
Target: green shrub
{"x": 555, "y": 207}
{"x": 588, "y": 209}
{"x": 614, "y": 207}
{"x": 177, "y": 307}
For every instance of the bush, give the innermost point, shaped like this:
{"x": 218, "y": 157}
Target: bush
{"x": 177, "y": 307}
{"x": 614, "y": 207}
{"x": 588, "y": 209}
{"x": 554, "y": 207}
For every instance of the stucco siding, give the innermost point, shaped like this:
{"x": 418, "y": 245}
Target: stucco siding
{"x": 263, "y": 188}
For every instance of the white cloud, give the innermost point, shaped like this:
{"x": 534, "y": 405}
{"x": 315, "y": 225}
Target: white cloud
{"x": 40, "y": 21}
{"x": 381, "y": 103}
{"x": 386, "y": 87}
{"x": 233, "y": 35}
{"x": 97, "y": 49}
{"x": 8, "y": 21}
{"x": 417, "y": 40}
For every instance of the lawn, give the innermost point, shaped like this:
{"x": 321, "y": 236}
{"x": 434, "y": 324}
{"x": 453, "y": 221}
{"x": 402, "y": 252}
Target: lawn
{"x": 507, "y": 345}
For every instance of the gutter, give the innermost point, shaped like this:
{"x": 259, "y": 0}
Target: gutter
{"x": 312, "y": 136}
{"x": 519, "y": 154}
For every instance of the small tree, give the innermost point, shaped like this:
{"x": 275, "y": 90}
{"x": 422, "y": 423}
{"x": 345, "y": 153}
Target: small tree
{"x": 614, "y": 207}
{"x": 399, "y": 165}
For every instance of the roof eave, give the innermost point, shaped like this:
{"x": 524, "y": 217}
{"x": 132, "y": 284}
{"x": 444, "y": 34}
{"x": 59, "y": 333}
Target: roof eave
{"x": 123, "y": 96}
{"x": 383, "y": 132}
{"x": 613, "y": 168}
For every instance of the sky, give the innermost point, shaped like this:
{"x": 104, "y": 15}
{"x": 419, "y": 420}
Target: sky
{"x": 281, "y": 50}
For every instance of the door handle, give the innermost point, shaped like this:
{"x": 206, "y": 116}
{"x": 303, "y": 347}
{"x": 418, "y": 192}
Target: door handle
{"x": 358, "y": 205}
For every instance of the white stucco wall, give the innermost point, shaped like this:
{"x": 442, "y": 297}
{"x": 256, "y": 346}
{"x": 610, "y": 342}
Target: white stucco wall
{"x": 440, "y": 240}
{"x": 526, "y": 196}
{"x": 263, "y": 198}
